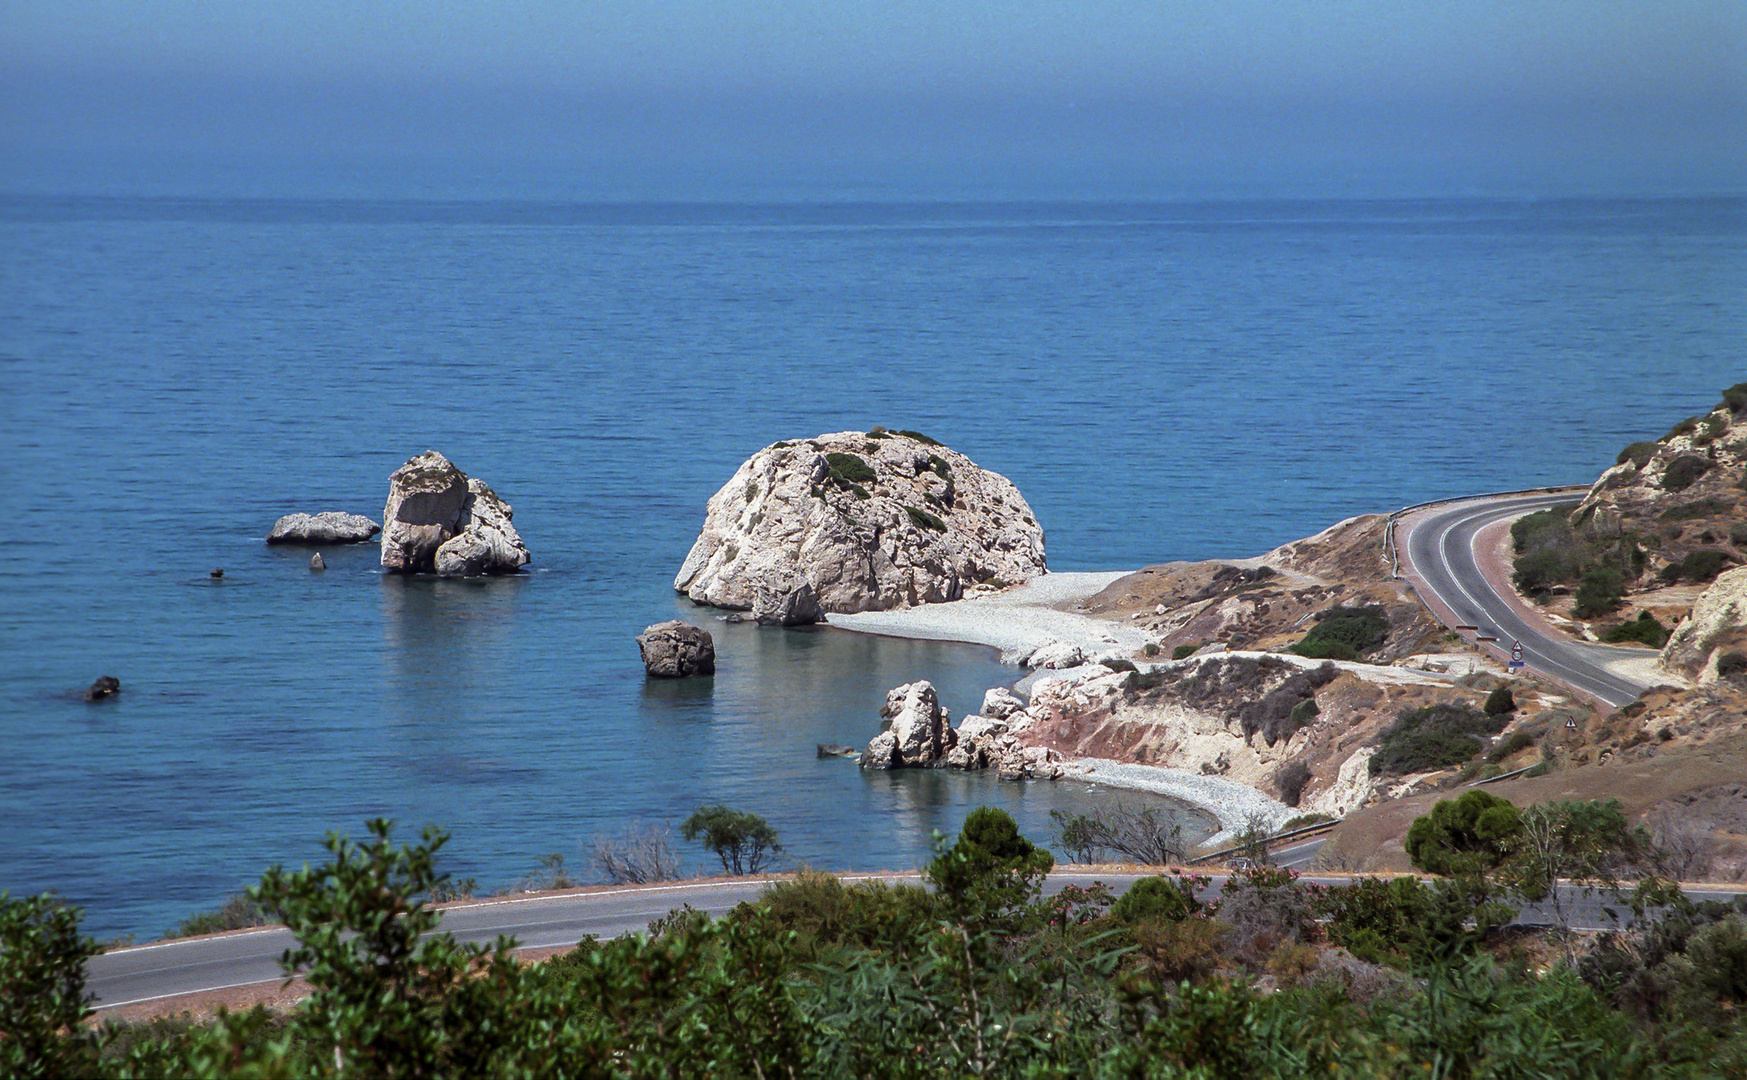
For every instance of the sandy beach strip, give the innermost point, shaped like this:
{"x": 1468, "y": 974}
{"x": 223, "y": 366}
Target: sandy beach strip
{"x": 1016, "y": 622}
{"x": 1037, "y": 613}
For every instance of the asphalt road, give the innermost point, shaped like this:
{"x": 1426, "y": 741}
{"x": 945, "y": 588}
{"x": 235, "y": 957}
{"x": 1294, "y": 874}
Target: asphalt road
{"x": 1440, "y": 551}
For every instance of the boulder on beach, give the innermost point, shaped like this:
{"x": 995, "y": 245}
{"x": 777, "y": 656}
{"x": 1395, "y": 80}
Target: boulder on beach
{"x": 329, "y": 527}
{"x": 440, "y": 520}
{"x": 867, "y": 521}
{"x": 676, "y": 650}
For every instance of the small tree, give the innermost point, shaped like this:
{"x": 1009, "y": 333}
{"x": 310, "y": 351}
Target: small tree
{"x": 641, "y": 854}
{"x": 1586, "y": 842}
{"x": 1469, "y": 835}
{"x": 42, "y": 989}
{"x": 744, "y": 842}
{"x": 991, "y": 868}
{"x": 382, "y": 980}
{"x": 1151, "y": 836}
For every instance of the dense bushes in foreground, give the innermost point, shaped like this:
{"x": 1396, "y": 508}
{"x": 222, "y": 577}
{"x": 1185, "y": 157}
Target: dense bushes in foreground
{"x": 979, "y": 976}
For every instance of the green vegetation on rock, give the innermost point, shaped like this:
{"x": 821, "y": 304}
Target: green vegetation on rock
{"x": 1435, "y": 737}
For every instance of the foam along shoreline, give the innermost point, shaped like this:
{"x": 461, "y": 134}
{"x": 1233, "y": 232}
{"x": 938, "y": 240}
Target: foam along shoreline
{"x": 1016, "y": 621}
{"x": 1028, "y": 616}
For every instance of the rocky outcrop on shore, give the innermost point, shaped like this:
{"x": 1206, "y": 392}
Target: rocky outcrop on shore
{"x": 1691, "y": 477}
{"x": 919, "y": 735}
{"x": 329, "y": 527}
{"x": 855, "y": 521}
{"x": 1716, "y": 629}
{"x": 677, "y": 650}
{"x": 440, "y": 520}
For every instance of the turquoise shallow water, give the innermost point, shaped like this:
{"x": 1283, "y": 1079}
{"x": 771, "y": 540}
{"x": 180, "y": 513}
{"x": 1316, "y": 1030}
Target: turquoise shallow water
{"x": 1161, "y": 381}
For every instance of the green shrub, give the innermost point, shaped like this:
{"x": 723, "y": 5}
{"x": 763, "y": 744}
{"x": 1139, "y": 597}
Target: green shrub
{"x": 1703, "y": 565}
{"x": 1516, "y": 740}
{"x": 1543, "y": 528}
{"x": 1291, "y": 780}
{"x": 847, "y": 470}
{"x": 238, "y": 913}
{"x": 1645, "y": 629}
{"x": 1184, "y": 651}
{"x": 1151, "y": 648}
{"x": 1280, "y": 713}
{"x": 1500, "y": 702}
{"x": 1599, "y": 591}
{"x": 1684, "y": 471}
{"x": 922, "y": 519}
{"x": 1692, "y": 511}
{"x": 919, "y": 437}
{"x": 1538, "y": 571}
{"x": 1685, "y": 427}
{"x": 879, "y": 433}
{"x": 1473, "y": 833}
{"x": 1165, "y": 897}
{"x": 1344, "y": 633}
{"x": 1434, "y": 737}
{"x": 1639, "y": 454}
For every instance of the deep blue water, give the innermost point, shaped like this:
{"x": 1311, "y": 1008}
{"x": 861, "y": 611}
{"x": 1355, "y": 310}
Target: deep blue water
{"x": 1161, "y": 381}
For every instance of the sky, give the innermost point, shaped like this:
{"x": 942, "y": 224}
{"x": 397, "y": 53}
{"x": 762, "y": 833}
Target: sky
{"x": 949, "y": 98}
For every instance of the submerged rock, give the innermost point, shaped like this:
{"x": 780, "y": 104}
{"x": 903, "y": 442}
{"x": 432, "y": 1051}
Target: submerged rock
{"x": 868, "y": 522}
{"x": 439, "y": 520}
{"x": 105, "y": 687}
{"x": 676, "y": 650}
{"x": 330, "y": 527}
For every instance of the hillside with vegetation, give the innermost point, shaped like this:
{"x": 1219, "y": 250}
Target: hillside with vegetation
{"x": 978, "y": 974}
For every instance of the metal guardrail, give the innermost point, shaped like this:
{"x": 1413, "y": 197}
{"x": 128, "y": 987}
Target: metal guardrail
{"x": 1321, "y": 826}
{"x": 1507, "y": 775}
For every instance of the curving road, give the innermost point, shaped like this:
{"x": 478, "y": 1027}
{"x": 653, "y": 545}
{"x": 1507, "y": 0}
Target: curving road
{"x": 1439, "y": 554}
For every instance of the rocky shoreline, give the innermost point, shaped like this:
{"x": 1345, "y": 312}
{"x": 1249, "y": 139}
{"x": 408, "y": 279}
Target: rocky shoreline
{"x": 1038, "y": 615}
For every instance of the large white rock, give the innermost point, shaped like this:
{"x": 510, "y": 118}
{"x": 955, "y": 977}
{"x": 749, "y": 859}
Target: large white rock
{"x": 1717, "y": 622}
{"x": 438, "y": 520}
{"x": 870, "y": 522}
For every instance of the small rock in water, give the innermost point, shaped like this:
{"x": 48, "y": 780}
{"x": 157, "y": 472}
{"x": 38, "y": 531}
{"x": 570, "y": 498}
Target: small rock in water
{"x": 216, "y": 574}
{"x": 106, "y": 686}
{"x": 837, "y": 750}
{"x": 675, "y": 650}
{"x": 316, "y": 562}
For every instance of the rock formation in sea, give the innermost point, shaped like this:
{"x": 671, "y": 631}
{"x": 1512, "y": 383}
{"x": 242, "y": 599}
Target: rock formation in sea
{"x": 676, "y": 650}
{"x": 331, "y": 527}
{"x": 919, "y": 735}
{"x": 861, "y": 522}
{"x": 439, "y": 520}
{"x": 104, "y": 688}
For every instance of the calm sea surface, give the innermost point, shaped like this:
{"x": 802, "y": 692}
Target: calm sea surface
{"x": 1161, "y": 381}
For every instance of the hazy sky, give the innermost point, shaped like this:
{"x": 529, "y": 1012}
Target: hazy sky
{"x": 1222, "y": 97}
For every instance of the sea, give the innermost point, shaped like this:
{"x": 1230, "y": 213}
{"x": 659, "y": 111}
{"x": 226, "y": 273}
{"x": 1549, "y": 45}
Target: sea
{"x": 1162, "y": 381}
